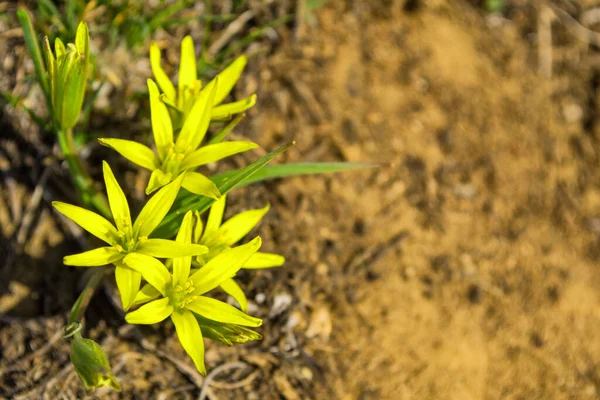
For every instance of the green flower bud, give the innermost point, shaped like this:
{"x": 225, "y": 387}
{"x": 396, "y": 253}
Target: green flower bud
{"x": 91, "y": 364}
{"x": 68, "y": 70}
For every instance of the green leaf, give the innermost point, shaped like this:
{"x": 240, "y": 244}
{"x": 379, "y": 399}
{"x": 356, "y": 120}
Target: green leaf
{"x": 170, "y": 224}
{"x": 33, "y": 46}
{"x": 296, "y": 169}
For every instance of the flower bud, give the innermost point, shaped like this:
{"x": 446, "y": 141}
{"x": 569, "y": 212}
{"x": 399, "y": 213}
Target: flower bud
{"x": 91, "y": 364}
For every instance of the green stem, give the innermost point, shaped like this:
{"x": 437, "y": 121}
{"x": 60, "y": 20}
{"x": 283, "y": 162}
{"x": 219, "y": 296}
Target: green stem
{"x": 78, "y": 310}
{"x": 82, "y": 180}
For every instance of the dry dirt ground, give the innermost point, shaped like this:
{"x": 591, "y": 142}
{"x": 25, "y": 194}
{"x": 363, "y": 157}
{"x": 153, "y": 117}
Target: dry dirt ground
{"x": 468, "y": 269}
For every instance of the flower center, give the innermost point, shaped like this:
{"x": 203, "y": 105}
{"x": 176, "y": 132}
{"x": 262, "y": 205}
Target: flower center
{"x": 127, "y": 242}
{"x": 181, "y": 295}
{"x": 172, "y": 162}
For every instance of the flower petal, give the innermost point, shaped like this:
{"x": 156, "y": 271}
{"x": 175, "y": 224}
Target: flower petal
{"x": 228, "y": 78}
{"x": 215, "y": 152}
{"x": 190, "y": 337}
{"x": 198, "y": 227}
{"x": 195, "y": 126}
{"x": 135, "y": 152}
{"x": 147, "y": 293}
{"x": 156, "y": 208}
{"x": 151, "y": 270}
{"x": 128, "y": 283}
{"x": 215, "y": 217}
{"x": 94, "y": 258}
{"x": 239, "y": 225}
{"x": 157, "y": 180}
{"x": 162, "y": 128}
{"x": 117, "y": 200}
{"x": 187, "y": 69}
{"x": 234, "y": 290}
{"x": 88, "y": 220}
{"x": 182, "y": 265}
{"x": 223, "y": 266}
{"x": 260, "y": 260}
{"x": 221, "y": 312}
{"x": 159, "y": 74}
{"x": 150, "y": 313}
{"x": 199, "y": 184}
{"x": 164, "y": 248}
{"x": 227, "y": 110}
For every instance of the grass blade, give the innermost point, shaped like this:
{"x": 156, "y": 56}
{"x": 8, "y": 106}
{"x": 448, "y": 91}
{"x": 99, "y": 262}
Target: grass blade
{"x": 35, "y": 52}
{"x": 170, "y": 224}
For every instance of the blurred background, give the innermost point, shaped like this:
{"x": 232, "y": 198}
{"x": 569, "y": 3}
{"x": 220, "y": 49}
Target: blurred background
{"x": 468, "y": 269}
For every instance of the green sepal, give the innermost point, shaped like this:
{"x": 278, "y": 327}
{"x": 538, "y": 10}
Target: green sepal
{"x": 228, "y": 334}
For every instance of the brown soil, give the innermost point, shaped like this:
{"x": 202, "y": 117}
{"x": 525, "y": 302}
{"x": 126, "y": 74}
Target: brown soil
{"x": 466, "y": 270}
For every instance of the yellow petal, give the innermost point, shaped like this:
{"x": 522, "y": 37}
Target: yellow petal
{"x": 195, "y": 126}
{"x": 190, "y": 337}
{"x": 213, "y": 223}
{"x": 157, "y": 180}
{"x": 215, "y": 152}
{"x": 260, "y": 260}
{"x": 187, "y": 69}
{"x": 182, "y": 265}
{"x": 197, "y": 183}
{"x": 94, "y": 258}
{"x": 117, "y": 200}
{"x": 156, "y": 208}
{"x": 239, "y": 225}
{"x": 198, "y": 227}
{"x": 228, "y": 78}
{"x": 234, "y": 290}
{"x": 135, "y": 152}
{"x": 227, "y": 110}
{"x": 152, "y": 270}
{"x": 147, "y": 293}
{"x": 223, "y": 266}
{"x": 221, "y": 312}
{"x": 162, "y": 128}
{"x": 164, "y": 248}
{"x": 128, "y": 283}
{"x": 150, "y": 313}
{"x": 90, "y": 221}
{"x": 159, "y": 74}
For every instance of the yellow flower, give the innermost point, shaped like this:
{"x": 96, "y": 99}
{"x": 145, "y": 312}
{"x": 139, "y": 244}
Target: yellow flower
{"x": 182, "y": 292}
{"x": 125, "y": 238}
{"x": 189, "y": 87}
{"x": 219, "y": 236}
{"x": 185, "y": 153}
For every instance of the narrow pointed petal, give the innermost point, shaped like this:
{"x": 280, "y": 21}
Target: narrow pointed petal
{"x": 228, "y": 78}
{"x": 223, "y": 266}
{"x": 260, "y": 260}
{"x": 162, "y": 128}
{"x": 135, "y": 152}
{"x": 182, "y": 265}
{"x": 159, "y": 74}
{"x": 157, "y": 180}
{"x": 164, "y": 248}
{"x": 152, "y": 270}
{"x": 227, "y": 110}
{"x": 156, "y": 208}
{"x": 147, "y": 293}
{"x": 215, "y": 152}
{"x": 117, "y": 200}
{"x": 90, "y": 221}
{"x": 190, "y": 337}
{"x": 239, "y": 225}
{"x": 234, "y": 290}
{"x": 198, "y": 227}
{"x": 195, "y": 126}
{"x": 221, "y": 312}
{"x": 215, "y": 217}
{"x": 197, "y": 183}
{"x": 128, "y": 283}
{"x": 152, "y": 313}
{"x": 187, "y": 69}
{"x": 94, "y": 258}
